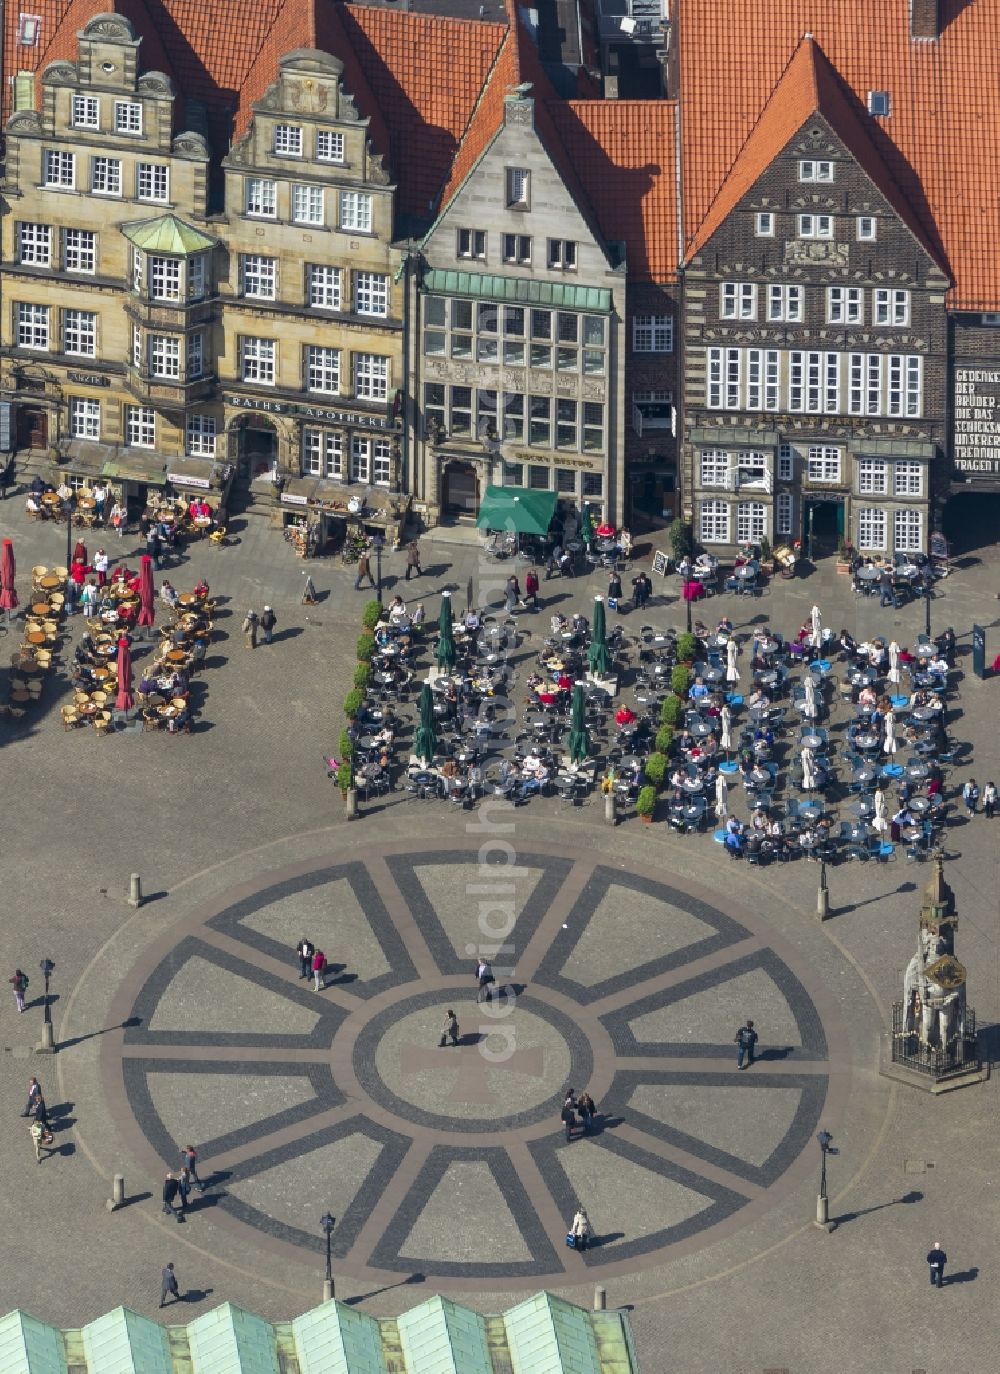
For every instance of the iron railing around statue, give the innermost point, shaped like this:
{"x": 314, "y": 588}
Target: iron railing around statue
{"x": 937, "y": 1061}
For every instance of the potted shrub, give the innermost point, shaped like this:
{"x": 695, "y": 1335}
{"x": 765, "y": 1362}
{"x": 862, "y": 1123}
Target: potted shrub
{"x": 680, "y": 678}
{"x": 371, "y": 615}
{"x": 345, "y": 745}
{"x": 362, "y": 675}
{"x": 664, "y": 738}
{"x": 687, "y": 647}
{"x": 345, "y": 778}
{"x": 645, "y": 804}
{"x": 672, "y": 711}
{"x": 353, "y": 703}
{"x": 680, "y": 539}
{"x": 656, "y": 770}
{"x": 366, "y": 647}
{"x": 766, "y": 555}
{"x": 845, "y": 554}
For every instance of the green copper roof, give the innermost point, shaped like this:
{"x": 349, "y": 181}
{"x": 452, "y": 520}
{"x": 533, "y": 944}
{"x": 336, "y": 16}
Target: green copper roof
{"x": 524, "y": 291}
{"x": 544, "y": 1335}
{"x": 167, "y": 234}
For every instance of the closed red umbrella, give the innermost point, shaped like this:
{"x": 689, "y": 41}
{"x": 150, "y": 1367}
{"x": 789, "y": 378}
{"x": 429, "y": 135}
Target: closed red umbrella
{"x": 146, "y": 603}
{"x": 124, "y": 701}
{"x": 8, "y": 596}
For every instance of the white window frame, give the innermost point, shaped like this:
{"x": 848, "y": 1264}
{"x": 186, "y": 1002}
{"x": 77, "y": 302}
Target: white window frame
{"x": 84, "y": 418}
{"x": 786, "y": 463}
{"x": 471, "y": 243}
{"x": 890, "y": 307}
{"x": 356, "y": 211}
{"x": 308, "y": 204}
{"x": 258, "y": 277}
{"x": 815, "y": 226}
{"x": 913, "y": 385}
{"x": 784, "y": 512}
{"x": 195, "y": 357}
{"x": 258, "y": 360}
{"x": 371, "y": 376}
{"x": 33, "y": 326}
{"x": 287, "y": 140}
{"x": 561, "y": 255}
{"x": 713, "y": 522}
{"x": 652, "y": 333}
{"x": 516, "y": 248}
{"x": 824, "y": 463}
{"x": 196, "y": 271}
{"x": 866, "y": 228}
{"x": 106, "y": 176}
{"x": 879, "y": 104}
{"x": 324, "y": 285}
{"x": 816, "y": 169}
{"x": 200, "y": 435}
{"x": 845, "y": 305}
{"x": 908, "y": 531}
{"x": 785, "y": 302}
{"x": 751, "y": 522}
{"x": 152, "y": 182}
{"x": 872, "y": 528}
{"x": 715, "y": 468}
{"x": 371, "y": 294}
{"x": 764, "y": 224}
{"x": 321, "y": 368}
{"x": 323, "y": 453}
{"x": 80, "y": 333}
{"x": 140, "y": 427}
{"x": 517, "y": 188}
{"x": 85, "y": 112}
{"x": 58, "y": 169}
{"x": 329, "y": 146}
{"x": 34, "y": 244}
{"x": 165, "y": 279}
{"x": 164, "y": 354}
{"x": 128, "y": 117}
{"x": 738, "y": 300}
{"x": 908, "y": 478}
{"x": 260, "y": 197}
{"x": 873, "y": 477}
{"x": 80, "y": 252}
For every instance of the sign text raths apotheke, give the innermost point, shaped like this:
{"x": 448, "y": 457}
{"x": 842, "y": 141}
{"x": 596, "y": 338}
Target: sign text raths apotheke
{"x": 307, "y": 412}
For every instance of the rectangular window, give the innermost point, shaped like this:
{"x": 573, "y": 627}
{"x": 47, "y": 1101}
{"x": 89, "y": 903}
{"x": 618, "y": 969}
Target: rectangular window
{"x": 106, "y": 176}
{"x": 513, "y": 415}
{"x": 323, "y": 369}
{"x": 784, "y": 303}
{"x": 751, "y": 468}
{"x": 322, "y": 453}
{"x": 195, "y": 356}
{"x": 288, "y": 140}
{"x": 783, "y": 513}
{"x": 873, "y": 403}
{"x": 565, "y": 423}
{"x": 516, "y": 248}
{"x": 734, "y": 367}
{"x": 908, "y": 479}
{"x": 714, "y": 467}
{"x": 771, "y": 378}
{"x": 200, "y": 435}
{"x": 323, "y": 286}
{"x": 80, "y": 333}
{"x": 540, "y": 421}
{"x": 796, "y": 376}
{"x": 593, "y": 427}
{"x": 786, "y": 463}
{"x": 260, "y": 197}
{"x": 165, "y": 279}
{"x": 152, "y": 181}
{"x": 140, "y": 426}
{"x": 165, "y": 356}
{"x": 371, "y": 293}
{"x": 512, "y": 474}
{"x": 871, "y": 528}
{"x": 460, "y": 411}
{"x": 873, "y": 477}
{"x": 562, "y": 255}
{"x": 713, "y": 522}
{"x": 652, "y": 333}
{"x": 831, "y": 385}
{"x": 755, "y": 395}
{"x": 518, "y": 186}
{"x": 815, "y": 171}
{"x": 866, "y": 226}
{"x": 260, "y": 277}
{"x": 356, "y": 211}
{"x": 764, "y": 224}
{"x": 84, "y": 418}
{"x": 914, "y": 386}
{"x": 59, "y": 169}
{"x": 823, "y": 463}
{"x": 34, "y": 245}
{"x": 538, "y": 477}
{"x": 592, "y": 484}
{"x": 751, "y": 522}
{"x": 856, "y": 389}
{"x": 196, "y": 276}
{"x": 258, "y": 360}
{"x": 329, "y": 146}
{"x": 895, "y": 389}
{"x": 86, "y": 112}
{"x": 566, "y": 481}
{"x": 738, "y": 301}
{"x": 908, "y": 531}
{"x": 815, "y": 226}
{"x": 307, "y": 205}
{"x": 371, "y": 460}
{"x": 32, "y": 326}
{"x": 128, "y": 117}
{"x": 713, "y": 396}
{"x": 79, "y": 250}
{"x": 845, "y": 305}
{"x": 471, "y": 243}
{"x": 878, "y": 103}
{"x": 371, "y": 376}
{"x": 892, "y": 307}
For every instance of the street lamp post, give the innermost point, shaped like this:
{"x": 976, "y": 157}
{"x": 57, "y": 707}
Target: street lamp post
{"x": 378, "y": 544}
{"x": 823, "y": 1201}
{"x": 48, "y": 1040}
{"x": 327, "y": 1223}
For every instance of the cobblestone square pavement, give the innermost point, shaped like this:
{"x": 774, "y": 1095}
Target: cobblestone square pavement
{"x": 634, "y": 956}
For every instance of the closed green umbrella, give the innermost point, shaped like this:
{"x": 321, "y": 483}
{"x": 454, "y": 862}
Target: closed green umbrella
{"x": 445, "y": 651}
{"x": 586, "y": 526}
{"x": 579, "y": 740}
{"x": 597, "y": 654}
{"x": 425, "y": 739}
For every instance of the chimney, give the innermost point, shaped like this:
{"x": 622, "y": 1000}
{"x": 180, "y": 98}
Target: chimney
{"x": 925, "y": 19}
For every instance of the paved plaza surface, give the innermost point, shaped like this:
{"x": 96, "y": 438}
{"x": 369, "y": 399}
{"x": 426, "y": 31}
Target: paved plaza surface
{"x": 631, "y": 955}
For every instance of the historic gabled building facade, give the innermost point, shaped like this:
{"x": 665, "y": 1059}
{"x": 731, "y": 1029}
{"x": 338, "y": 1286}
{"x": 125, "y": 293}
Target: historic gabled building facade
{"x": 815, "y": 339}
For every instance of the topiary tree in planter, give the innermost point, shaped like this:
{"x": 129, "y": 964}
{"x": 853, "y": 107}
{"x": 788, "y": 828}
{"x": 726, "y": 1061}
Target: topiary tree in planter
{"x": 687, "y": 647}
{"x": 645, "y": 803}
{"x": 664, "y": 738}
{"x": 371, "y": 615}
{"x": 680, "y": 539}
{"x": 366, "y": 648}
{"x": 345, "y": 745}
{"x": 353, "y": 703}
{"x": 672, "y": 711}
{"x": 680, "y": 679}
{"x": 345, "y": 777}
{"x": 656, "y": 769}
{"x": 362, "y": 675}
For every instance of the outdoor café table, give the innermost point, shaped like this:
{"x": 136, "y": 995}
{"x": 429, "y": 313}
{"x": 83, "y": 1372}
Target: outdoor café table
{"x": 926, "y": 746}
{"x": 700, "y": 729}
{"x": 661, "y": 669}
{"x": 389, "y": 650}
{"x": 768, "y": 646}
{"x": 658, "y": 639}
{"x": 169, "y": 711}
{"x": 767, "y": 677}
{"x": 50, "y": 583}
{"x": 35, "y": 636}
{"x": 385, "y": 679}
{"x": 110, "y": 616}
{"x": 810, "y": 811}
{"x": 864, "y": 677}
{"x": 863, "y": 775}
{"x": 692, "y": 813}
{"x": 51, "y": 498}
{"x": 86, "y": 502}
{"x": 175, "y": 656}
{"x": 759, "y": 777}
{"x": 859, "y": 833}
{"x": 101, "y": 673}
{"x": 41, "y": 608}
{"x": 925, "y": 679}
{"x": 715, "y": 675}
{"x": 693, "y": 784}
{"x": 918, "y": 805}
{"x": 629, "y": 761}
{"x": 925, "y": 713}
{"x": 88, "y": 708}
{"x": 809, "y": 842}
{"x": 866, "y": 741}
{"x": 441, "y": 684}
{"x": 748, "y": 572}
{"x": 917, "y": 771}
{"x": 537, "y": 722}
{"x": 717, "y": 641}
{"x": 811, "y": 741}
{"x": 868, "y": 574}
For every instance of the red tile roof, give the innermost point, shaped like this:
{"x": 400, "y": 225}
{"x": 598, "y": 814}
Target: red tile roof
{"x": 624, "y": 152}
{"x": 939, "y": 142}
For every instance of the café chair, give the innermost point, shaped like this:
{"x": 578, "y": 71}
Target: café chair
{"x": 69, "y": 717}
{"x": 102, "y": 722}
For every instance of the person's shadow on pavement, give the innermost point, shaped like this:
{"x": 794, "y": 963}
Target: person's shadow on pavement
{"x": 963, "y": 1276}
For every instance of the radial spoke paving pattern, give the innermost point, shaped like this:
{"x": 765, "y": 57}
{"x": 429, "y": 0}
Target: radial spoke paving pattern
{"x": 451, "y": 1162}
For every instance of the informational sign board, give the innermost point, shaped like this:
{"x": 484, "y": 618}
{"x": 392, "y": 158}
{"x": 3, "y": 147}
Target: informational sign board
{"x": 661, "y": 564}
{"x": 976, "y": 449}
{"x": 979, "y": 651}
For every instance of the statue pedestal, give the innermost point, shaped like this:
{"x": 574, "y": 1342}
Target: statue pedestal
{"x": 963, "y": 1076}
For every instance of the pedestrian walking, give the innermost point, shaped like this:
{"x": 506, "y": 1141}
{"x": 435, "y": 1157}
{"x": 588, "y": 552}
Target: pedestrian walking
{"x": 183, "y": 1186}
{"x": 304, "y": 951}
{"x": 168, "y": 1285}
{"x": 642, "y": 590}
{"x": 581, "y": 1230}
{"x": 937, "y": 1259}
{"x": 989, "y": 800}
{"x": 970, "y": 795}
{"x": 746, "y": 1039}
{"x": 250, "y": 622}
{"x": 88, "y": 598}
{"x": 364, "y": 570}
{"x": 268, "y": 620}
{"x": 319, "y": 969}
{"x": 39, "y": 1110}
{"x": 154, "y": 547}
{"x": 101, "y": 562}
{"x": 485, "y": 978}
{"x": 41, "y": 1138}
{"x": 20, "y": 985}
{"x": 568, "y": 1113}
{"x": 511, "y": 594}
{"x": 308, "y": 591}
{"x": 886, "y": 591}
{"x": 190, "y": 1157}
{"x": 587, "y": 1107}
{"x": 531, "y": 588}
{"x": 34, "y": 1093}
{"x": 450, "y": 1031}
{"x": 413, "y": 559}
{"x": 614, "y": 591}
{"x": 170, "y": 1191}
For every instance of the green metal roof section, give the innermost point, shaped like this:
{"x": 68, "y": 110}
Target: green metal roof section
{"x": 168, "y": 234}
{"x": 517, "y": 290}
{"x": 438, "y": 1337}
{"x": 123, "y": 1342}
{"x": 334, "y": 1339}
{"x": 231, "y": 1341}
{"x": 28, "y": 1346}
{"x": 549, "y": 1336}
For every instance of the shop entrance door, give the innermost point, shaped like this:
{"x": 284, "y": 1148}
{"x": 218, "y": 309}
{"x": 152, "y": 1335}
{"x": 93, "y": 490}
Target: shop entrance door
{"x": 823, "y": 523}
{"x": 257, "y": 449}
{"x": 32, "y": 427}
{"x": 461, "y": 489}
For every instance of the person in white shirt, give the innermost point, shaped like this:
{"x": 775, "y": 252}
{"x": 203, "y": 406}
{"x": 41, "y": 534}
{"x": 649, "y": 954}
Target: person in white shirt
{"x": 397, "y": 610}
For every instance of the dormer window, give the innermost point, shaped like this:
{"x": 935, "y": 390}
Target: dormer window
{"x": 812, "y": 170}
{"x": 878, "y": 103}
{"x": 128, "y": 117}
{"x": 288, "y": 140}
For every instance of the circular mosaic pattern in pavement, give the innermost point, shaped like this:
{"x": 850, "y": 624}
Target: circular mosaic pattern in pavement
{"x": 451, "y": 1162}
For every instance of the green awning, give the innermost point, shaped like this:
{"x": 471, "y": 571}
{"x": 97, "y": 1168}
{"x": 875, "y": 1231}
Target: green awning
{"x": 168, "y": 234}
{"x": 517, "y": 509}
{"x": 153, "y": 475}
{"x": 485, "y": 286}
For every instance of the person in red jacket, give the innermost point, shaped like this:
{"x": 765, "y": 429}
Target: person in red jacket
{"x": 531, "y": 588}
{"x": 319, "y": 968}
